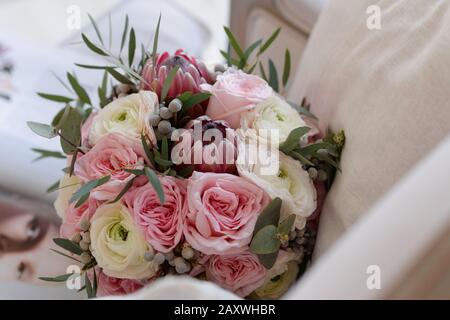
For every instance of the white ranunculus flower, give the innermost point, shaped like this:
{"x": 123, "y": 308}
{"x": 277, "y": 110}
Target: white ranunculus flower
{"x": 280, "y": 277}
{"x": 68, "y": 185}
{"x": 118, "y": 245}
{"x": 126, "y": 115}
{"x": 273, "y": 113}
{"x": 290, "y": 182}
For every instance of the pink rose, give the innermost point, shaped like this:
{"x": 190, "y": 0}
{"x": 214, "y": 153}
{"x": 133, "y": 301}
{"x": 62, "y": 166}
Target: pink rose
{"x": 74, "y": 215}
{"x": 233, "y": 93}
{"x": 109, "y": 286}
{"x": 109, "y": 157}
{"x": 162, "y": 224}
{"x": 223, "y": 210}
{"x": 241, "y": 273}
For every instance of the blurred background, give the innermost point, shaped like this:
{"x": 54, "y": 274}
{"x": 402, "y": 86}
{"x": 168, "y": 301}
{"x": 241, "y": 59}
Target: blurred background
{"x": 39, "y": 42}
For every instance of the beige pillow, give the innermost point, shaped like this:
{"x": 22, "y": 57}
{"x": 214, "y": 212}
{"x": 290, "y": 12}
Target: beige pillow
{"x": 389, "y": 89}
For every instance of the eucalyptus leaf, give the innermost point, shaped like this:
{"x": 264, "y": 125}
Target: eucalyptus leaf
{"x": 61, "y": 278}
{"x": 265, "y": 241}
{"x": 286, "y": 225}
{"x": 269, "y": 41}
{"x": 185, "y": 172}
{"x": 155, "y": 41}
{"x": 68, "y": 245}
{"x": 273, "y": 76}
{"x": 136, "y": 172}
{"x": 168, "y": 82}
{"x": 118, "y": 76}
{"x": 302, "y": 110}
{"x": 123, "y": 191}
{"x": 71, "y": 131}
{"x": 88, "y": 187}
{"x": 124, "y": 34}
{"x": 89, "y": 289}
{"x": 48, "y": 154}
{"x": 43, "y": 130}
{"x": 194, "y": 100}
{"x": 55, "y": 98}
{"x": 268, "y": 260}
{"x": 131, "y": 47}
{"x": 269, "y": 216}
{"x": 92, "y": 46}
{"x": 79, "y": 90}
{"x": 287, "y": 67}
{"x": 53, "y": 187}
{"x": 234, "y": 44}
{"x": 293, "y": 140}
{"x": 65, "y": 255}
{"x": 97, "y": 31}
{"x": 262, "y": 71}
{"x": 153, "y": 179}
{"x": 148, "y": 151}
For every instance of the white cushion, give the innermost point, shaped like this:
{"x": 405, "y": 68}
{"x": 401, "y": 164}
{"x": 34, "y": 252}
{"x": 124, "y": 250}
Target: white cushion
{"x": 301, "y": 13}
{"x": 388, "y": 89}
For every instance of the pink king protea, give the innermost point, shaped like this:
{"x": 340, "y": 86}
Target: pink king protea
{"x": 191, "y": 74}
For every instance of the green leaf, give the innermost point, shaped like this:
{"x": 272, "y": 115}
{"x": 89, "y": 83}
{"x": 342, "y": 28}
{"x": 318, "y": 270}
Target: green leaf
{"x": 185, "y": 172}
{"x": 252, "y": 48}
{"x": 123, "y": 191}
{"x": 293, "y": 139}
{"x": 165, "y": 148}
{"x": 48, "y": 154}
{"x": 55, "y": 98}
{"x": 287, "y": 67}
{"x": 131, "y": 47}
{"x": 97, "y": 31}
{"x": 252, "y": 68}
{"x": 273, "y": 76}
{"x": 302, "y": 110}
{"x": 88, "y": 66}
{"x": 102, "y": 90}
{"x": 118, "y": 76}
{"x": 269, "y": 41}
{"x": 148, "y": 151}
{"x": 79, "y": 90}
{"x": 195, "y": 99}
{"x": 229, "y": 59}
{"x": 92, "y": 46}
{"x": 185, "y": 96}
{"x": 71, "y": 130}
{"x": 168, "y": 82}
{"x": 61, "y": 278}
{"x": 269, "y": 216}
{"x": 68, "y": 245}
{"x": 262, "y": 71}
{"x": 153, "y": 179}
{"x": 89, "y": 288}
{"x": 299, "y": 157}
{"x": 268, "y": 260}
{"x": 43, "y": 130}
{"x": 65, "y": 255}
{"x": 53, "y": 187}
{"x": 312, "y": 148}
{"x": 286, "y": 225}
{"x": 328, "y": 160}
{"x": 234, "y": 44}
{"x": 124, "y": 34}
{"x": 162, "y": 162}
{"x": 265, "y": 241}
{"x": 88, "y": 187}
{"x": 136, "y": 172}
{"x": 155, "y": 41}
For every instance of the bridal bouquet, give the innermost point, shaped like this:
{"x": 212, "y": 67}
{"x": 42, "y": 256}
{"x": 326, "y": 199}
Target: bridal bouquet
{"x": 177, "y": 169}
